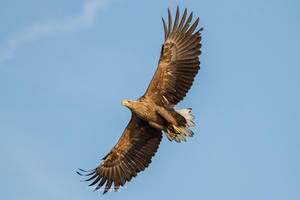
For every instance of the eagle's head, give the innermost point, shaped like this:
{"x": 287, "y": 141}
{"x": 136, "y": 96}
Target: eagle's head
{"x": 128, "y": 103}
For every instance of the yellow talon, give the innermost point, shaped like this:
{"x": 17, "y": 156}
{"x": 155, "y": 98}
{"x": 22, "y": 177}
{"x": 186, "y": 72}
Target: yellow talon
{"x": 176, "y": 129}
{"x": 173, "y": 135}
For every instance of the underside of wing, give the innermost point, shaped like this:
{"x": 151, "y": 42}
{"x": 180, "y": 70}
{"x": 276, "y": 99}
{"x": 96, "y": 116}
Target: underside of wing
{"x": 132, "y": 154}
{"x": 178, "y": 63}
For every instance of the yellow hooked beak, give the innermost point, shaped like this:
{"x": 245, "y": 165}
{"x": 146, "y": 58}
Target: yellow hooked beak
{"x": 125, "y": 103}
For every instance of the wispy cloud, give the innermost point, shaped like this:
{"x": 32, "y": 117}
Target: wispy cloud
{"x": 84, "y": 19}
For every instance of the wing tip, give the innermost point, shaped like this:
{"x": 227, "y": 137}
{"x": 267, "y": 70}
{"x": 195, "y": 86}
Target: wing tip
{"x": 81, "y": 172}
{"x": 184, "y": 23}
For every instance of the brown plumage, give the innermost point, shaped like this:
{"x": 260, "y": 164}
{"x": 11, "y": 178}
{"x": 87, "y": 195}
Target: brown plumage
{"x": 154, "y": 111}
{"x": 178, "y": 63}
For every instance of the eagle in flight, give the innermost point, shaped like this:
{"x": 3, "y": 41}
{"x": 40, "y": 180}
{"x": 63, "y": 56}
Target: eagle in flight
{"x": 154, "y": 112}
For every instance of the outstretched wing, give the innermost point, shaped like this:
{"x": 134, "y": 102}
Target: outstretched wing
{"x": 132, "y": 154}
{"x": 178, "y": 63}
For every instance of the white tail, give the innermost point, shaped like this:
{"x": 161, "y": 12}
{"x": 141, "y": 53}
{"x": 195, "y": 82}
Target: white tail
{"x": 186, "y": 113}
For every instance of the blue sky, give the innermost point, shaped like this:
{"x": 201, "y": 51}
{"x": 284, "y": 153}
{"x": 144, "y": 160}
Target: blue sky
{"x": 65, "y": 67}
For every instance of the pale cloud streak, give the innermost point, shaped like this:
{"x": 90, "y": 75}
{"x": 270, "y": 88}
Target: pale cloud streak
{"x": 84, "y": 19}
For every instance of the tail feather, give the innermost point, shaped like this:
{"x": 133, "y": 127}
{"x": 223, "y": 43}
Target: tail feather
{"x": 186, "y": 113}
{"x": 186, "y": 131}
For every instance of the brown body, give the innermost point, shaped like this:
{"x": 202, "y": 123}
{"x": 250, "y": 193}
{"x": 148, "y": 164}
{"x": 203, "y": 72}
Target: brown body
{"x": 159, "y": 117}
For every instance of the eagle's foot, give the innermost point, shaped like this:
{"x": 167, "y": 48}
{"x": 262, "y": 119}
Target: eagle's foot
{"x": 178, "y": 133}
{"x": 171, "y": 134}
{"x": 177, "y": 130}
{"x": 174, "y": 133}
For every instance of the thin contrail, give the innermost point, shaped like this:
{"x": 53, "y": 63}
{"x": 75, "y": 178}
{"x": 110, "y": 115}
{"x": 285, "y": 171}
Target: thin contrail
{"x": 85, "y": 18}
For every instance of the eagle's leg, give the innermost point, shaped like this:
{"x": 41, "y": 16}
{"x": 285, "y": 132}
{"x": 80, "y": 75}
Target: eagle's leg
{"x": 156, "y": 125}
{"x": 170, "y": 133}
{"x": 166, "y": 115}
